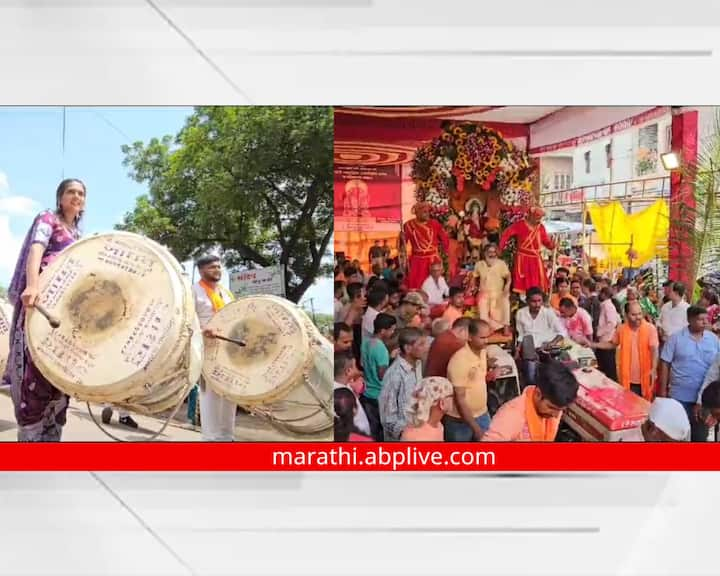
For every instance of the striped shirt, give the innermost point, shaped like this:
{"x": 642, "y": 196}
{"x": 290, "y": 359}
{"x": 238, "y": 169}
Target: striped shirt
{"x": 398, "y": 386}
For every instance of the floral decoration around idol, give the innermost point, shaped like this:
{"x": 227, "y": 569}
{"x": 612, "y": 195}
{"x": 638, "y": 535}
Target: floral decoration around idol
{"x": 472, "y": 155}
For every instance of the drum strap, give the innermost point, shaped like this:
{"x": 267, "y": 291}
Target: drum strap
{"x": 173, "y": 412}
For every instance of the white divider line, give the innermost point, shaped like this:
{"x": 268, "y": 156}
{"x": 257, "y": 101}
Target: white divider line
{"x": 145, "y": 525}
{"x": 199, "y": 51}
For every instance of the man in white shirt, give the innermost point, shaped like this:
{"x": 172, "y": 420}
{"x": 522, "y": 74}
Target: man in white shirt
{"x": 339, "y": 294}
{"x": 347, "y": 375}
{"x": 217, "y": 414}
{"x": 536, "y": 326}
{"x": 377, "y": 300}
{"x": 435, "y": 286}
{"x": 673, "y": 314}
{"x": 538, "y": 321}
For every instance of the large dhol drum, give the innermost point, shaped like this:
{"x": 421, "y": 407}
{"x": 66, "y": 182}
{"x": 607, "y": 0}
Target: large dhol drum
{"x": 285, "y": 371}
{"x": 6, "y": 315}
{"x": 129, "y": 334}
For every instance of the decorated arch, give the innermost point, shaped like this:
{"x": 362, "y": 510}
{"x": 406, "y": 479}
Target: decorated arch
{"x": 476, "y": 182}
{"x": 468, "y": 161}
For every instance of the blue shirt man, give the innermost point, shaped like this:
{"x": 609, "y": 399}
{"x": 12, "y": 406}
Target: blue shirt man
{"x": 690, "y": 357}
{"x": 686, "y": 358}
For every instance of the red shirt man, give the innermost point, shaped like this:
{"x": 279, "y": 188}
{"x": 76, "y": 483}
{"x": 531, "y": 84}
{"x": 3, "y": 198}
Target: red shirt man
{"x": 444, "y": 346}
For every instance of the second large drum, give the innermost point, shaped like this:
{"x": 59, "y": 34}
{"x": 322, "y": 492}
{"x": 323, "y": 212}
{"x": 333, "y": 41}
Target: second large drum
{"x": 283, "y": 373}
{"x": 128, "y": 333}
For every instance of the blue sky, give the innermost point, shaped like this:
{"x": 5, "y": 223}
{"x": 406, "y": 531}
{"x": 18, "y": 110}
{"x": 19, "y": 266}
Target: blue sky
{"x": 32, "y": 163}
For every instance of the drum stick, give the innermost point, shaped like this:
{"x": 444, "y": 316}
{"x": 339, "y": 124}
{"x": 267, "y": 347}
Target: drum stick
{"x": 231, "y": 340}
{"x": 54, "y": 321}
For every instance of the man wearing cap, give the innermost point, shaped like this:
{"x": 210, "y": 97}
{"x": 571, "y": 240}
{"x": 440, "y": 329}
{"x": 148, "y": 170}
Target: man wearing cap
{"x": 408, "y": 314}
{"x": 425, "y": 236}
{"x": 217, "y": 414}
{"x": 531, "y": 236}
{"x": 666, "y": 422}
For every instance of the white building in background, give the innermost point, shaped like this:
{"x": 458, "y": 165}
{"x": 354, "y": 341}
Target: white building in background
{"x": 609, "y": 163}
{"x": 556, "y": 172}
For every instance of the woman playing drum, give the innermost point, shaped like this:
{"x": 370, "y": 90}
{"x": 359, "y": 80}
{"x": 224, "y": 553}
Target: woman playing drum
{"x": 40, "y": 408}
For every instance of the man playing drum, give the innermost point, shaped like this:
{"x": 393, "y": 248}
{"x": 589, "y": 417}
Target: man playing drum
{"x": 217, "y": 414}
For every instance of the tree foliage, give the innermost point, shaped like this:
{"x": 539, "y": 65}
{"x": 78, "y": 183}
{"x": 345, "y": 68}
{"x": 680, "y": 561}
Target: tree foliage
{"x": 253, "y": 184}
{"x": 697, "y": 220}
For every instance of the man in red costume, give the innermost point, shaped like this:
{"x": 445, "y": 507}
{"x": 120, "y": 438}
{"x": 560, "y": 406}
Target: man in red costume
{"x": 531, "y": 236}
{"x": 425, "y": 236}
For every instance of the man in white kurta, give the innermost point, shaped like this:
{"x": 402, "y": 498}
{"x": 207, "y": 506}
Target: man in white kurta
{"x": 673, "y": 314}
{"x": 217, "y": 414}
{"x": 493, "y": 277}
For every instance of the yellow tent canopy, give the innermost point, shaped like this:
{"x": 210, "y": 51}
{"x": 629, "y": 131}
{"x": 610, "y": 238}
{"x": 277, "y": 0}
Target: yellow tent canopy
{"x": 646, "y": 232}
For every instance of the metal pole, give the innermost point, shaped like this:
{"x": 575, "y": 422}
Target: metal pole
{"x": 64, "y": 126}
{"x": 312, "y": 308}
{"x": 586, "y": 257}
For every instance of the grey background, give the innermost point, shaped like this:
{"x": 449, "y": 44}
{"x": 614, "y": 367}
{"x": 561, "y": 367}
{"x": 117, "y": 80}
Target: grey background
{"x": 143, "y": 52}
{"x": 379, "y": 524}
{"x": 358, "y": 52}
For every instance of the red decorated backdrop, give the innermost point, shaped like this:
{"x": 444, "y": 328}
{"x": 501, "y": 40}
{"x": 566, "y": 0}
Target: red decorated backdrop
{"x": 373, "y": 149}
{"x": 367, "y": 198}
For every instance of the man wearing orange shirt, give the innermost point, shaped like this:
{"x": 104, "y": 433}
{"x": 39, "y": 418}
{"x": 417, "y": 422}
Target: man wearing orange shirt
{"x": 535, "y": 415}
{"x": 563, "y": 291}
{"x": 638, "y": 345}
{"x": 456, "y": 305}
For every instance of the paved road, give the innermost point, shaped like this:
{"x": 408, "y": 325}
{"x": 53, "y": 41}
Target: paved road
{"x": 81, "y": 428}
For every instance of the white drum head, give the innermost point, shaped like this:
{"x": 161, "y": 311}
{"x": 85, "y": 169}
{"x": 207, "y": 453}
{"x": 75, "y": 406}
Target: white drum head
{"x": 308, "y": 406}
{"x": 276, "y": 355}
{"x": 6, "y": 314}
{"x": 120, "y": 306}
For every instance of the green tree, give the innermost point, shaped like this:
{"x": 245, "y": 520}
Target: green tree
{"x": 324, "y": 322}
{"x": 254, "y": 183}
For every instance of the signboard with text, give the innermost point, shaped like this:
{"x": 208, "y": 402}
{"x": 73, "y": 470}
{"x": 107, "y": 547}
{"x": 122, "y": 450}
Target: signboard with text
{"x": 367, "y": 198}
{"x": 270, "y": 280}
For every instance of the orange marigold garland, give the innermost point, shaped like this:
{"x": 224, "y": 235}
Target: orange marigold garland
{"x": 467, "y": 152}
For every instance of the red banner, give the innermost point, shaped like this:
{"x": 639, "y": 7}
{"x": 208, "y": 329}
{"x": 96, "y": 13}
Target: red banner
{"x": 328, "y": 457}
{"x": 367, "y": 198}
{"x": 603, "y": 132}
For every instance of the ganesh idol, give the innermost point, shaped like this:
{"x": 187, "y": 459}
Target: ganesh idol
{"x": 473, "y": 225}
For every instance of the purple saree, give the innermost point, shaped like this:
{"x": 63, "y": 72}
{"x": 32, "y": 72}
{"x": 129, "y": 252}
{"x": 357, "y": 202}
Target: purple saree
{"x": 40, "y": 408}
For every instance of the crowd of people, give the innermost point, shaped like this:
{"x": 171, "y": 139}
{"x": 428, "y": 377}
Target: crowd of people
{"x": 405, "y": 372}
{"x": 413, "y": 364}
